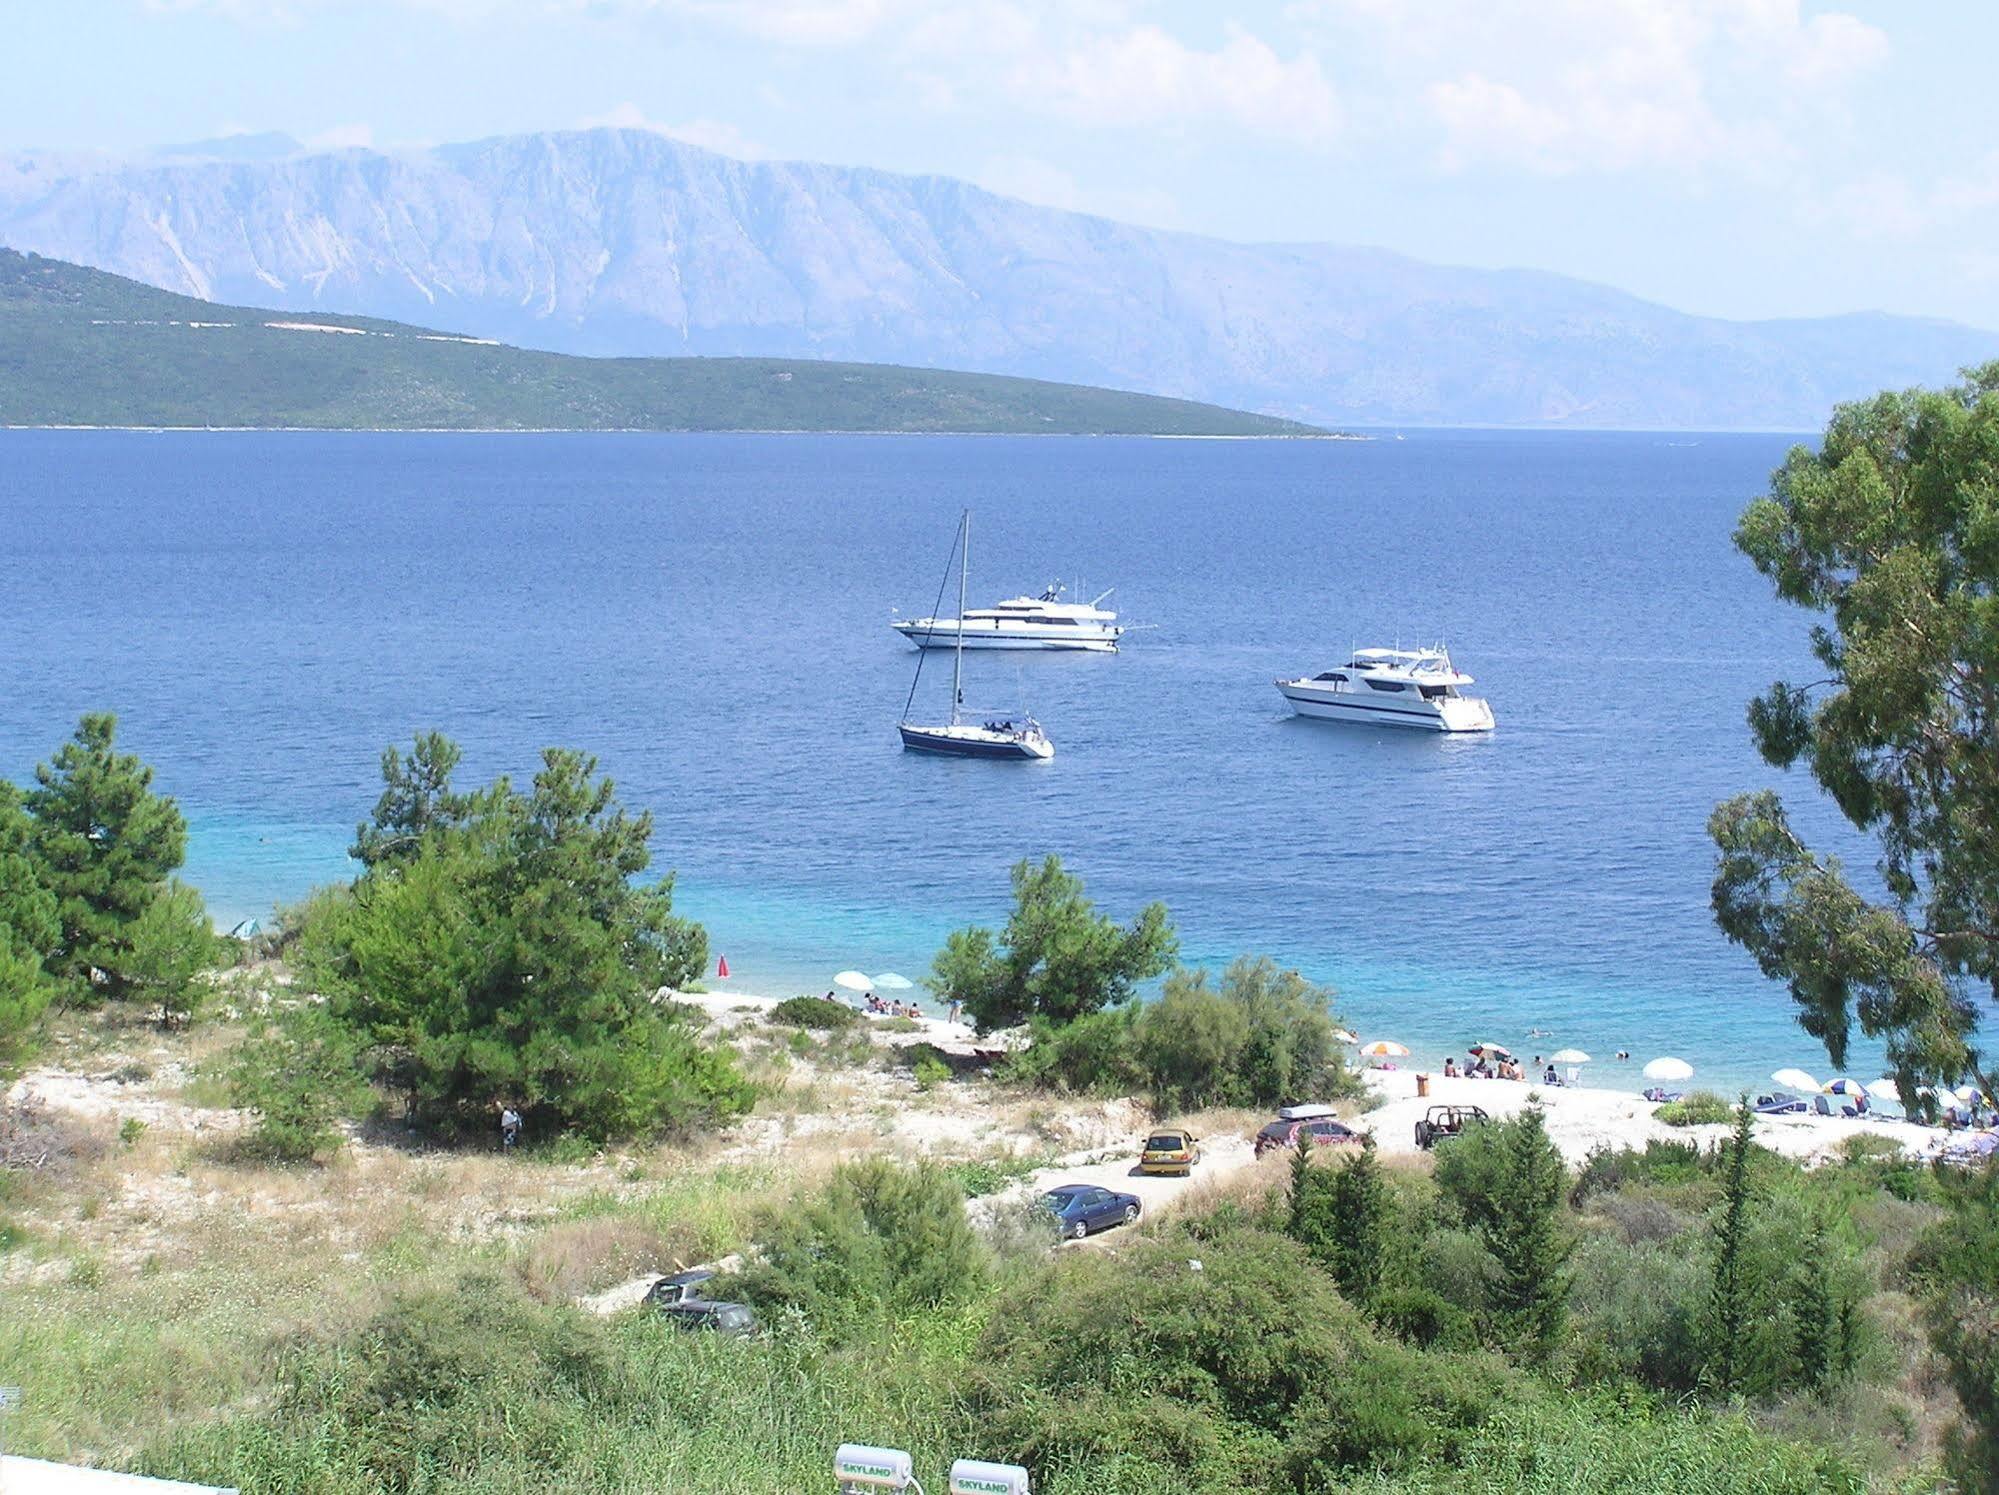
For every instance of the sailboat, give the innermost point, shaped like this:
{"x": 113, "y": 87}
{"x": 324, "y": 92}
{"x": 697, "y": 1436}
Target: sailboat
{"x": 1020, "y": 738}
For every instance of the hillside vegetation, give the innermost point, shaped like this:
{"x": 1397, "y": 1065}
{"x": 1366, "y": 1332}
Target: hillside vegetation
{"x": 79, "y": 347}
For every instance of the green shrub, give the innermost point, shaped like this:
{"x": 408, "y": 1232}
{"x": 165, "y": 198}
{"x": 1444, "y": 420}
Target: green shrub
{"x": 1225, "y": 1363}
{"x": 1608, "y": 1169}
{"x": 1698, "y": 1108}
{"x": 930, "y": 1070}
{"x": 1262, "y": 1037}
{"x": 297, "y": 1075}
{"x": 1956, "y": 1267}
{"x": 1639, "y": 1312}
{"x": 1090, "y": 1056}
{"x": 1455, "y": 1265}
{"x": 981, "y": 1176}
{"x": 1425, "y": 1319}
{"x": 814, "y": 1012}
{"x": 880, "y": 1238}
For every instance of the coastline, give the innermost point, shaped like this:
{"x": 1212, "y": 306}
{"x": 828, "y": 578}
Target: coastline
{"x": 1580, "y": 1118}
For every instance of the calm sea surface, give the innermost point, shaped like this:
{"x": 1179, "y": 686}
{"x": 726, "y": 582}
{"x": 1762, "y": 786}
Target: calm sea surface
{"x": 709, "y": 615}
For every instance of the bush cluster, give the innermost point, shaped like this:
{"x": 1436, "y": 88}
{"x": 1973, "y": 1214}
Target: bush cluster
{"x": 814, "y": 1012}
{"x": 1698, "y": 1108}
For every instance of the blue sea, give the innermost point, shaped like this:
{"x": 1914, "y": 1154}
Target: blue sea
{"x": 709, "y": 615}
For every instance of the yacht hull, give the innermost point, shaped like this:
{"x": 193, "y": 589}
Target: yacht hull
{"x": 944, "y": 635}
{"x": 1464, "y": 714}
{"x": 975, "y": 742}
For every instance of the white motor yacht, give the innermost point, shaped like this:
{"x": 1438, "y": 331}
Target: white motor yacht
{"x": 1044, "y": 622}
{"x": 1392, "y": 688}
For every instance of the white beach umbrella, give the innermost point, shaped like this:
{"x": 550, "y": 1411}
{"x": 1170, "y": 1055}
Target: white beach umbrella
{"x": 855, "y": 981}
{"x": 1886, "y": 1089}
{"x": 1384, "y": 1048}
{"x": 1669, "y": 1069}
{"x": 1795, "y": 1079}
{"x": 1841, "y": 1085}
{"x": 1568, "y": 1056}
{"x": 1968, "y": 1094}
{"x": 889, "y": 981}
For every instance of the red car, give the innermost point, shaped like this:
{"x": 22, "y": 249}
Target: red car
{"x": 1324, "y": 1131}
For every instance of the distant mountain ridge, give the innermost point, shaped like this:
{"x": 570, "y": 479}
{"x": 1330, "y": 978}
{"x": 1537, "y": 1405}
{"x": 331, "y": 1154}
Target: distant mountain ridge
{"x": 81, "y": 347}
{"x": 627, "y": 242}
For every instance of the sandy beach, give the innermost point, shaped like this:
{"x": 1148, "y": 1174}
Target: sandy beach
{"x": 1580, "y": 1118}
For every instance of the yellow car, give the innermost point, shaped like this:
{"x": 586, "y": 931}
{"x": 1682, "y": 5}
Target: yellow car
{"x": 1170, "y": 1152}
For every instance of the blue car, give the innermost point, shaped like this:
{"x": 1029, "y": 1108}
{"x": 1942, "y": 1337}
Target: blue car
{"x": 1080, "y": 1209}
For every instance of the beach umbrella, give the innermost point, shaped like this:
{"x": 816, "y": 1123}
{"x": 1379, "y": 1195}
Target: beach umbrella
{"x": 1669, "y": 1069}
{"x": 1886, "y": 1089}
{"x": 1843, "y": 1086}
{"x": 889, "y": 981}
{"x": 1384, "y": 1048}
{"x": 854, "y": 981}
{"x": 1795, "y": 1079}
{"x": 1342, "y": 1036}
{"x": 1491, "y": 1048}
{"x": 1969, "y": 1094}
{"x": 1568, "y": 1056}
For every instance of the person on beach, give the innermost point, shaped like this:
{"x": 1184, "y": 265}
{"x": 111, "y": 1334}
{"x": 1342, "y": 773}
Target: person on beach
{"x": 510, "y": 1128}
{"x": 956, "y": 1008}
{"x": 1451, "y": 1067}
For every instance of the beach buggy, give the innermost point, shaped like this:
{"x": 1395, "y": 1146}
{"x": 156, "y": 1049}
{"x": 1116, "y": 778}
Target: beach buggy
{"x": 1445, "y": 1121}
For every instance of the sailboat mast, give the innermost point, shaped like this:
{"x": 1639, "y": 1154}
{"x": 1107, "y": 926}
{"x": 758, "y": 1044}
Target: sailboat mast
{"x": 964, "y": 572}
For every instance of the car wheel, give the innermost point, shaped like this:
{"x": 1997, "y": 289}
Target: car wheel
{"x": 1080, "y": 1229}
{"x": 1131, "y": 1214}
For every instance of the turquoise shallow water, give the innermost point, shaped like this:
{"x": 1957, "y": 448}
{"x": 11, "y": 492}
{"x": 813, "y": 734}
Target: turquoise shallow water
{"x": 709, "y": 615}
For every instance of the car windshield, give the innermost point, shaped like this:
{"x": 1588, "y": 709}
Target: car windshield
{"x": 1165, "y": 1142}
{"x": 1277, "y": 1130}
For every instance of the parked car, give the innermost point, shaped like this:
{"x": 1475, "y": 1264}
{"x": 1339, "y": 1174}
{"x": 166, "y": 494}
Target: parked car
{"x": 1170, "y": 1151}
{"x": 1080, "y": 1209}
{"x": 1441, "y": 1122}
{"x": 1321, "y": 1131}
{"x": 699, "y": 1316}
{"x": 680, "y": 1287}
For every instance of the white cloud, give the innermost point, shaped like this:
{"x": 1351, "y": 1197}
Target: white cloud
{"x": 1610, "y": 85}
{"x": 1146, "y": 77}
{"x": 709, "y": 134}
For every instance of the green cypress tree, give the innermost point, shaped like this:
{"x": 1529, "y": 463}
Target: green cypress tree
{"x": 1729, "y": 1297}
{"x": 1529, "y": 1238}
{"x": 1357, "y": 1205}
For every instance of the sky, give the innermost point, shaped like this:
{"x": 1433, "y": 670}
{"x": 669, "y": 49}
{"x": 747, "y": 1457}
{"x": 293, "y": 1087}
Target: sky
{"x": 1742, "y": 158}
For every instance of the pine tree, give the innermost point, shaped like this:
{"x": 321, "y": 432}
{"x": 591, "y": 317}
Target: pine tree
{"x": 106, "y": 845}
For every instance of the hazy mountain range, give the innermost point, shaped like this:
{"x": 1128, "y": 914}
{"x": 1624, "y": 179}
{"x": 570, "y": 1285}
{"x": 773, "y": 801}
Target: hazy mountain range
{"x": 626, "y": 242}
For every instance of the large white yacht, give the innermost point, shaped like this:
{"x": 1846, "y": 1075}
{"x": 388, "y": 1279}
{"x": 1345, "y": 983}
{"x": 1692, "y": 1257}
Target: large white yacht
{"x": 1044, "y": 622}
{"x": 1392, "y": 688}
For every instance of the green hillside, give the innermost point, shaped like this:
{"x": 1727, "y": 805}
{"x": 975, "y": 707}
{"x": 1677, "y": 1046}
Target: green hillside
{"x": 79, "y": 347}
